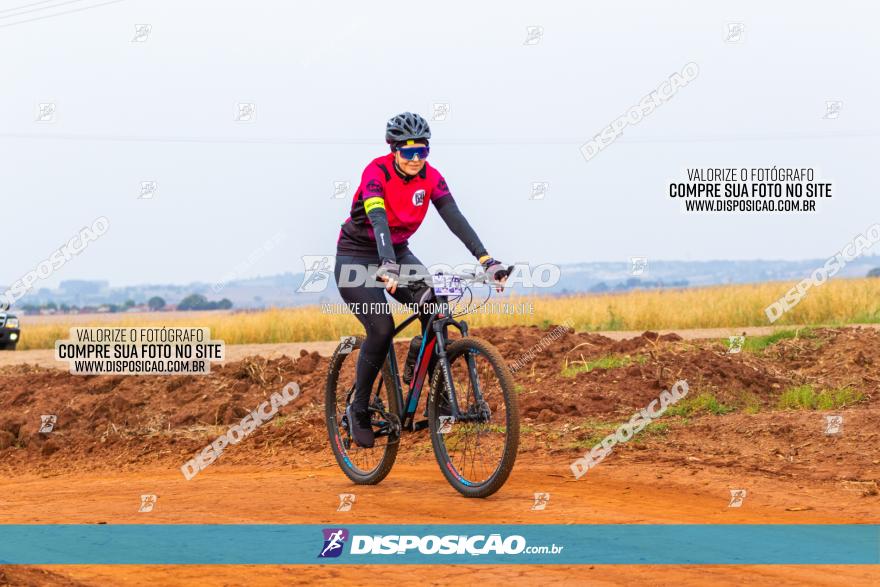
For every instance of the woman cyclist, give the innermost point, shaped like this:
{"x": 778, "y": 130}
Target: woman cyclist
{"x": 388, "y": 206}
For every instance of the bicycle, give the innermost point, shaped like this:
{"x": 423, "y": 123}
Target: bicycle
{"x": 471, "y": 405}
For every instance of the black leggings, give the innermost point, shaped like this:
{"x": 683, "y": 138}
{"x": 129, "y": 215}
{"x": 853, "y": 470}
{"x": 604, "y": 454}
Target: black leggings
{"x": 377, "y": 319}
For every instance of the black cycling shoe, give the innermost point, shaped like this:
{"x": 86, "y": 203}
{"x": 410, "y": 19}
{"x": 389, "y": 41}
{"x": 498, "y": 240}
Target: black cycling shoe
{"x": 361, "y": 428}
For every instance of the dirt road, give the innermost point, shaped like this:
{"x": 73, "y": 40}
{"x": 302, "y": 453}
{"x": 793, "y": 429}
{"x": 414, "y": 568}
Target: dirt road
{"x": 613, "y": 493}
{"x": 117, "y": 438}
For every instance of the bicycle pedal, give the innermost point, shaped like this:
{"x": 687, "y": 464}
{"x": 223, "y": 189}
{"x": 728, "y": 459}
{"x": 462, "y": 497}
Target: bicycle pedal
{"x": 390, "y": 428}
{"x": 420, "y": 425}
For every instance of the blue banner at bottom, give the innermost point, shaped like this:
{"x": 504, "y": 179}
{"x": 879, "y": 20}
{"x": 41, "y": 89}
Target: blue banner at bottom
{"x": 635, "y": 544}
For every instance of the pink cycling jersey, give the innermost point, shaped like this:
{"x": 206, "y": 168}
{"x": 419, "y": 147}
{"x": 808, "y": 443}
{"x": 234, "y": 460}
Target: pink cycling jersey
{"x": 405, "y": 203}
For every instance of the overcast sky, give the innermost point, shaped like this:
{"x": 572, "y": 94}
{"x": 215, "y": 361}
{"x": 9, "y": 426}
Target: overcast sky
{"x": 324, "y": 78}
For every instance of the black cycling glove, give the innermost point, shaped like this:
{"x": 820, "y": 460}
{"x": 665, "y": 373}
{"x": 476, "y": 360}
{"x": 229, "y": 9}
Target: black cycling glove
{"x": 390, "y": 269}
{"x": 494, "y": 269}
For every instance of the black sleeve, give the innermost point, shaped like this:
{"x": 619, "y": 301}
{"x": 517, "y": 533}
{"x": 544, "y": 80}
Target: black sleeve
{"x": 459, "y": 226}
{"x": 379, "y": 220}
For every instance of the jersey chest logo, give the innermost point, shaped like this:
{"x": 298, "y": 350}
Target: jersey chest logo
{"x": 418, "y": 197}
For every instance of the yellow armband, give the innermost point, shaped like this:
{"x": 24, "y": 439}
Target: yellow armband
{"x": 373, "y": 203}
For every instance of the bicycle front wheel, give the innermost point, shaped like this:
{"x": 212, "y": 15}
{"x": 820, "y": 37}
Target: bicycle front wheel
{"x": 477, "y": 450}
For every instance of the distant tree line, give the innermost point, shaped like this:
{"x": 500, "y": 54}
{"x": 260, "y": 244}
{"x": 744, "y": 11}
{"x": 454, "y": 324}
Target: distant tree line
{"x": 636, "y": 283}
{"x": 154, "y": 304}
{"x": 200, "y": 302}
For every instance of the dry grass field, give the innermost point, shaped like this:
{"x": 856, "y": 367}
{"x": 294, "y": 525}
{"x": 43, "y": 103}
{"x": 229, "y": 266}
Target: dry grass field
{"x": 837, "y": 302}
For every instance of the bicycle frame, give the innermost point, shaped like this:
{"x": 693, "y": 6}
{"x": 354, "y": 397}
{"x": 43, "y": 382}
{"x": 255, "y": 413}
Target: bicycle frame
{"x": 433, "y": 341}
{"x": 390, "y": 414}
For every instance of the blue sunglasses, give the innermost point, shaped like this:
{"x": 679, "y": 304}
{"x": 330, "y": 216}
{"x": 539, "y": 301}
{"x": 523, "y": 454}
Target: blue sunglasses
{"x": 414, "y": 153}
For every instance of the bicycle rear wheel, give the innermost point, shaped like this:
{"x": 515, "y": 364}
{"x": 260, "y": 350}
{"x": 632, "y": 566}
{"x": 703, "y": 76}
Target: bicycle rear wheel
{"x": 364, "y": 466}
{"x": 477, "y": 452}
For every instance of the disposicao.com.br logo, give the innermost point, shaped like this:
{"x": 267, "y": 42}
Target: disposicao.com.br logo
{"x": 431, "y": 544}
{"x": 334, "y": 541}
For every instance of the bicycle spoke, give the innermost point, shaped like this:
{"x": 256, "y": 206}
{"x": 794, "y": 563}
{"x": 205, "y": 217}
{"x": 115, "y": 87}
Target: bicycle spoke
{"x": 475, "y": 447}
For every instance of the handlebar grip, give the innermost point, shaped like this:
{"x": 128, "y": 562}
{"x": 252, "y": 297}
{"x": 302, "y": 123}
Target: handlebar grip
{"x": 508, "y": 270}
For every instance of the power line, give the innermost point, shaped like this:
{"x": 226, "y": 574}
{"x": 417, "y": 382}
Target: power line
{"x": 58, "y": 13}
{"x": 454, "y": 142}
{"x": 25, "y": 6}
{"x": 36, "y": 9}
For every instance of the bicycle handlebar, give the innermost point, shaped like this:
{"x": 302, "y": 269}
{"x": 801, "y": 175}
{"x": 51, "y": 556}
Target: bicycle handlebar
{"x": 419, "y": 279}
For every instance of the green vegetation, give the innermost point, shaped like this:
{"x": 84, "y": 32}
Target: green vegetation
{"x": 705, "y": 402}
{"x": 614, "y": 322}
{"x": 593, "y": 435}
{"x": 749, "y": 403}
{"x": 156, "y": 303}
{"x": 592, "y": 432}
{"x": 570, "y": 369}
{"x": 804, "y": 397}
{"x": 652, "y": 430}
{"x": 868, "y": 317}
{"x": 757, "y": 344}
{"x": 200, "y": 302}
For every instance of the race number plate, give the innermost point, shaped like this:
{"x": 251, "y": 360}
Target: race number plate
{"x": 447, "y": 285}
